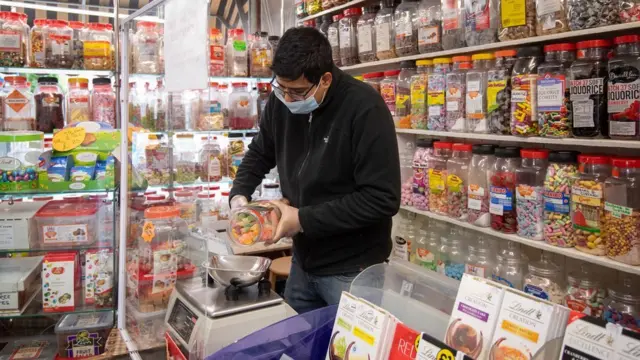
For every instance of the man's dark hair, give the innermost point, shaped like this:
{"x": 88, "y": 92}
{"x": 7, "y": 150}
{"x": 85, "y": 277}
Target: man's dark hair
{"x": 302, "y": 51}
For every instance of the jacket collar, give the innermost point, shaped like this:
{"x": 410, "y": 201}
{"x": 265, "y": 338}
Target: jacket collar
{"x": 337, "y": 75}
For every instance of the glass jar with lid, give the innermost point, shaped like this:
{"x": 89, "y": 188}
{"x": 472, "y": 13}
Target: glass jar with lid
{"x": 437, "y": 173}
{"x": 622, "y": 211}
{"x": 388, "y": 89}
{"x": 207, "y": 208}
{"x": 212, "y": 161}
{"x": 240, "y": 109}
{"x": 622, "y": 306}
{"x": 147, "y": 48}
{"x": 236, "y": 54}
{"x": 36, "y": 43}
{"x": 588, "y": 77}
{"x": 80, "y": 33}
{"x": 452, "y": 24}
{"x": 97, "y": 47}
{"x": 456, "y": 94}
{"x": 384, "y": 29}
{"x": 502, "y": 181}
{"x": 185, "y": 159}
{"x": 480, "y": 261}
{"x": 403, "y": 94}
{"x": 19, "y": 105}
{"x": 427, "y": 247}
{"x": 545, "y": 280}
{"x": 510, "y": 266}
{"x": 478, "y": 188}
{"x": 333, "y": 35}
{"x": 499, "y": 92}
{"x": 458, "y": 180}
{"x": 452, "y": 256}
{"x": 78, "y": 106}
{"x": 374, "y": 79}
{"x": 481, "y": 22}
{"x": 556, "y": 195}
{"x": 13, "y": 38}
{"x": 476, "y": 102}
{"x": 49, "y": 105}
{"x": 211, "y": 116}
{"x": 216, "y": 53}
{"x": 587, "y": 203}
{"x": 436, "y": 89}
{"x": 406, "y": 31}
{"x": 429, "y": 25}
{"x": 553, "y": 93}
{"x": 529, "y": 188}
{"x": 186, "y": 202}
{"x": 58, "y": 45}
{"x": 585, "y": 292}
{"x": 103, "y": 102}
{"x": 524, "y": 121}
{"x": 261, "y": 55}
{"x": 624, "y": 109}
{"x": 348, "y": 36}
{"x": 367, "y": 34}
{"x": 418, "y": 87}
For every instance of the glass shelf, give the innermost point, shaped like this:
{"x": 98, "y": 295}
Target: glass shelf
{"x": 34, "y": 309}
{"x": 248, "y": 132}
{"x": 45, "y": 71}
{"x": 34, "y": 251}
{"x": 7, "y": 196}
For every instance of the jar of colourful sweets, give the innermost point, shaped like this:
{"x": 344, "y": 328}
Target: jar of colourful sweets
{"x": 420, "y": 187}
{"x": 524, "y": 121}
{"x": 419, "y": 94}
{"x": 561, "y": 173}
{"x": 476, "y": 102}
{"x": 622, "y": 306}
{"x": 554, "y": 117}
{"x": 502, "y": 180}
{"x": 438, "y": 177}
{"x": 456, "y": 94}
{"x": 499, "y": 92}
{"x": 49, "y": 104}
{"x": 529, "y": 188}
{"x": 436, "y": 89}
{"x": 585, "y": 293}
{"x": 388, "y": 90}
{"x": 482, "y": 160}
{"x": 457, "y": 180}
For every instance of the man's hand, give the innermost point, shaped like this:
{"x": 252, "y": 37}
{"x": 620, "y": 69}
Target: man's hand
{"x": 238, "y": 201}
{"x": 289, "y": 224}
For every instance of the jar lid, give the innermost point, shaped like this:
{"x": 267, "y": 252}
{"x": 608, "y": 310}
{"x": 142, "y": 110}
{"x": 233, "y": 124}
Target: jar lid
{"x": 534, "y": 153}
{"x": 213, "y": 84}
{"x": 206, "y": 195}
{"x": 83, "y": 82}
{"x": 626, "y": 162}
{"x": 47, "y": 79}
{"x": 76, "y": 24}
{"x": 560, "y": 47}
{"x": 101, "y": 81}
{"x": 273, "y": 38}
{"x": 593, "y": 44}
{"x": 183, "y": 194}
{"x": 161, "y": 212}
{"x": 40, "y": 22}
{"x": 353, "y": 11}
{"x": 594, "y": 159}
{"x": 224, "y": 193}
{"x": 373, "y": 75}
{"x": 15, "y": 79}
{"x": 529, "y": 51}
{"x": 424, "y": 143}
{"x": 214, "y": 31}
{"x": 337, "y": 17}
{"x": 239, "y": 84}
{"x": 442, "y": 61}
{"x": 442, "y": 145}
{"x": 625, "y": 39}
{"x": 427, "y": 62}
{"x": 465, "y": 65}
{"x": 508, "y": 152}
{"x": 544, "y": 267}
{"x": 264, "y": 86}
{"x": 461, "y": 147}
{"x": 583, "y": 278}
{"x": 156, "y": 197}
{"x": 505, "y": 53}
{"x": 483, "y": 149}
{"x": 13, "y": 16}
{"x": 625, "y": 292}
{"x": 223, "y": 86}
{"x": 482, "y": 56}
{"x": 564, "y": 157}
{"x": 213, "y": 187}
{"x": 408, "y": 64}
{"x": 146, "y": 23}
{"x": 391, "y": 72}
{"x": 461, "y": 58}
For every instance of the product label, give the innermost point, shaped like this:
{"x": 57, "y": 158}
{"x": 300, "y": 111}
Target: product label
{"x": 6, "y": 236}
{"x": 78, "y": 109}
{"x": 477, "y": 15}
{"x": 9, "y": 300}
{"x": 551, "y": 90}
{"x": 345, "y": 38}
{"x": 536, "y": 291}
{"x": 624, "y": 93}
{"x": 624, "y": 128}
{"x": 164, "y": 261}
{"x": 419, "y": 186}
{"x": 418, "y": 93}
{"x": 523, "y": 108}
{"x": 428, "y": 35}
{"x": 501, "y": 200}
{"x": 513, "y": 13}
{"x": 437, "y": 181}
{"x": 401, "y": 250}
{"x": 383, "y": 37}
{"x": 54, "y": 234}
{"x": 163, "y": 283}
{"x": 474, "y": 101}
{"x": 28, "y": 351}
{"x": 403, "y": 28}
{"x": 556, "y": 201}
{"x": 261, "y": 58}
{"x": 588, "y": 338}
{"x": 450, "y": 15}
{"x": 494, "y": 87}
{"x": 60, "y": 44}
{"x": 148, "y": 51}
{"x": 526, "y": 192}
{"x": 436, "y": 91}
{"x": 583, "y": 106}
{"x": 388, "y": 92}
{"x": 617, "y": 211}
{"x": 475, "y": 197}
{"x": 475, "y": 270}
{"x": 216, "y": 54}
{"x": 10, "y": 40}
{"x": 426, "y": 258}
{"x": 503, "y": 281}
{"x": 96, "y": 49}
{"x": 454, "y": 184}
{"x": 239, "y": 45}
{"x": 453, "y": 96}
{"x": 585, "y": 208}
{"x": 58, "y": 284}
{"x": 333, "y": 37}
{"x": 402, "y": 100}
{"x": 547, "y": 7}
{"x": 364, "y": 39}
{"x": 16, "y": 101}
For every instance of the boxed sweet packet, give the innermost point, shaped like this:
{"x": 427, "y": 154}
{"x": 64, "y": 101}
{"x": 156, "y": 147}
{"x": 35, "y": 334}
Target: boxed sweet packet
{"x": 430, "y": 348}
{"x": 404, "y": 345}
{"x": 589, "y": 338}
{"x": 627, "y": 345}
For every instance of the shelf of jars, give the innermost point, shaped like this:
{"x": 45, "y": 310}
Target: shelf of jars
{"x": 47, "y": 195}
{"x": 600, "y": 143}
{"x": 46, "y": 71}
{"x": 569, "y": 252}
{"x": 300, "y": 9}
{"x": 34, "y": 309}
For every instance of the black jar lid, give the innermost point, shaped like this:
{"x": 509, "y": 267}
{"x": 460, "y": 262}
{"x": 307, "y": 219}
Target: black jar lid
{"x": 408, "y": 64}
{"x": 508, "y": 152}
{"x": 424, "y": 143}
{"x": 47, "y": 79}
{"x": 274, "y": 37}
{"x": 529, "y": 51}
{"x": 483, "y": 149}
{"x": 101, "y": 81}
{"x": 564, "y": 157}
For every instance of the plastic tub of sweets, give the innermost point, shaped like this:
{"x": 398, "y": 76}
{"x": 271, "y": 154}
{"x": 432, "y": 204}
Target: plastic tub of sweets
{"x": 64, "y": 223}
{"x": 82, "y": 335}
{"x": 147, "y": 329}
{"x": 256, "y": 221}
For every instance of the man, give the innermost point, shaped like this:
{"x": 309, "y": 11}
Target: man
{"x": 333, "y": 141}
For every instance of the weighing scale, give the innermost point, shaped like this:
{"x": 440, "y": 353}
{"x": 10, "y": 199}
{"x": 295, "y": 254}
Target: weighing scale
{"x": 203, "y": 318}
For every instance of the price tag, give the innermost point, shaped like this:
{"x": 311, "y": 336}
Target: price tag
{"x": 68, "y": 139}
{"x": 445, "y": 354}
{"x": 148, "y": 231}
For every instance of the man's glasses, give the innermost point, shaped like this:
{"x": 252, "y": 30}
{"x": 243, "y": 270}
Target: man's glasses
{"x": 295, "y": 94}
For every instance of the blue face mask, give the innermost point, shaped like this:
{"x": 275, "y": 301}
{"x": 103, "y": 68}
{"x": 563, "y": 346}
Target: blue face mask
{"x": 305, "y": 106}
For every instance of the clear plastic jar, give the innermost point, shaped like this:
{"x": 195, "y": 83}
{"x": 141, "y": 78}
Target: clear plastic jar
{"x": 348, "y": 31}
{"x": 524, "y": 79}
{"x": 510, "y": 266}
{"x": 476, "y": 105}
{"x": 97, "y": 47}
{"x": 406, "y": 172}
{"x": 36, "y": 44}
{"x": 80, "y": 35}
{"x": 588, "y": 77}
{"x": 59, "y": 45}
{"x": 406, "y": 31}
{"x": 437, "y": 85}
{"x": 333, "y": 34}
{"x": 367, "y": 34}
{"x": 545, "y": 280}
{"x": 207, "y": 207}
{"x": 186, "y": 202}
{"x": 419, "y": 94}
{"x": 216, "y": 53}
{"x": 587, "y": 203}
{"x": 438, "y": 177}
{"x": 622, "y": 306}
{"x": 452, "y": 256}
{"x": 480, "y": 261}
{"x": 529, "y": 203}
{"x": 261, "y": 55}
{"x": 13, "y": 39}
{"x": 19, "y": 105}
{"x": 561, "y": 174}
{"x": 623, "y": 85}
{"x": 481, "y": 23}
{"x": 211, "y": 160}
{"x": 585, "y": 293}
{"x": 388, "y": 89}
{"x": 240, "y": 113}
{"x": 24, "y": 19}
{"x": 264, "y": 90}
{"x": 456, "y": 81}
{"x": 553, "y": 96}
{"x": 517, "y": 20}
{"x": 103, "y": 102}
{"x": 236, "y": 54}
{"x": 403, "y": 94}
{"x": 458, "y": 180}
{"x": 590, "y": 14}
{"x": 452, "y": 24}
{"x": 211, "y": 116}
{"x": 49, "y": 105}
{"x": 254, "y": 222}
{"x": 420, "y": 186}
{"x": 429, "y": 24}
{"x": 78, "y": 106}
{"x": 502, "y": 178}
{"x": 374, "y": 79}
{"x": 478, "y": 189}
{"x": 551, "y": 17}
{"x": 385, "y": 31}
{"x": 327, "y": 20}
{"x": 185, "y": 159}
{"x": 622, "y": 211}
{"x": 427, "y": 248}
{"x": 147, "y": 48}
{"x": 499, "y": 92}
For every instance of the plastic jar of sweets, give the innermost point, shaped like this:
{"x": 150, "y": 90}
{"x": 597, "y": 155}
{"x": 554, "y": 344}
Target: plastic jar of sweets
{"x": 374, "y": 79}
{"x": 366, "y": 35}
{"x": 437, "y": 173}
{"x": 103, "y": 102}
{"x": 456, "y": 94}
{"x": 478, "y": 189}
{"x": 385, "y": 35}
{"x": 561, "y": 173}
{"x": 59, "y": 44}
{"x": 49, "y": 104}
{"x": 419, "y": 94}
{"x": 502, "y": 179}
{"x": 147, "y": 49}
{"x": 78, "y": 107}
{"x": 545, "y": 280}
{"x": 622, "y": 306}
{"x": 37, "y": 41}
{"x": 457, "y": 180}
{"x": 348, "y": 28}
{"x": 624, "y": 103}
{"x": 333, "y": 35}
{"x": 585, "y": 293}
{"x": 476, "y": 105}
{"x": 437, "y": 86}
{"x": 499, "y": 92}
{"x": 529, "y": 188}
{"x": 524, "y": 121}
{"x": 388, "y": 89}
{"x": 553, "y": 93}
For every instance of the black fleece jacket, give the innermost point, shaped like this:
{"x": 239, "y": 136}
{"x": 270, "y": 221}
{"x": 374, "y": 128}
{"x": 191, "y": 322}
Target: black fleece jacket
{"x": 340, "y": 167}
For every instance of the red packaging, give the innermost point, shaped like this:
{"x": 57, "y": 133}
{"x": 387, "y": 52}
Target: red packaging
{"x": 405, "y": 343}
{"x": 60, "y": 282}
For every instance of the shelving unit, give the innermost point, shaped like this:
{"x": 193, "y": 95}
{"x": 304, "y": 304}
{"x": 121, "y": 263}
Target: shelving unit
{"x": 335, "y": 9}
{"x": 46, "y": 71}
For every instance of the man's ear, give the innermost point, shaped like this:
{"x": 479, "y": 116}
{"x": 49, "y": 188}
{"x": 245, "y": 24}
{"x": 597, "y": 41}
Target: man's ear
{"x": 326, "y": 79}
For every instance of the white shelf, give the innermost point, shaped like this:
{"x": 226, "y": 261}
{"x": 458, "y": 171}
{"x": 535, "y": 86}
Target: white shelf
{"x": 335, "y": 9}
{"x": 569, "y": 252}
{"x": 627, "y": 144}
{"x": 45, "y": 71}
{"x": 595, "y": 33}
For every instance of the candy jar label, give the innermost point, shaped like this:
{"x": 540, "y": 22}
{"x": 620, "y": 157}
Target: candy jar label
{"x": 474, "y": 270}
{"x": 501, "y": 196}
{"x": 493, "y": 88}
{"x": 536, "y": 291}
{"x": 523, "y": 105}
{"x": 551, "y": 92}
{"x": 454, "y": 183}
{"x": 502, "y": 280}
{"x": 526, "y": 192}
{"x": 476, "y": 194}
{"x": 513, "y": 13}
{"x": 436, "y": 181}
{"x": 586, "y": 205}
{"x": 556, "y": 201}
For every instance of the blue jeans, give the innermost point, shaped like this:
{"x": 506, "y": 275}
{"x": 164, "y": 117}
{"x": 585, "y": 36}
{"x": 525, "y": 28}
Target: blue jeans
{"x": 306, "y": 292}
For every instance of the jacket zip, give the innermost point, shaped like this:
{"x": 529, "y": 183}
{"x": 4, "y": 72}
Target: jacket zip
{"x": 305, "y": 160}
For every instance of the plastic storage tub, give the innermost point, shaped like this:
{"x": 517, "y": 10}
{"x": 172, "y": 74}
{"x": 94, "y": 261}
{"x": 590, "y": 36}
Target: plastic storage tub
{"x": 32, "y": 347}
{"x": 66, "y": 223}
{"x": 83, "y": 334}
{"x": 147, "y": 329}
{"x": 18, "y": 282}
{"x": 17, "y": 222}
